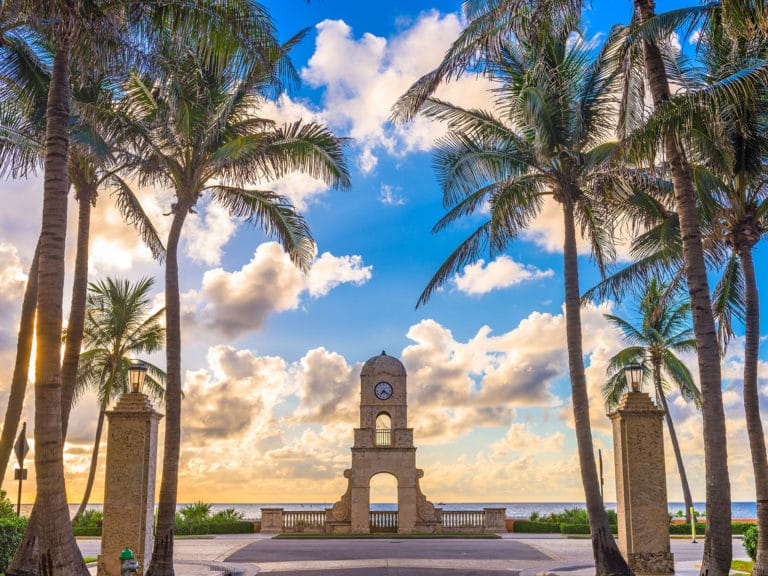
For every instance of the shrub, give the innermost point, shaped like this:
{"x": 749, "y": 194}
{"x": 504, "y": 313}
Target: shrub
{"x": 536, "y": 527}
{"x": 741, "y": 527}
{"x": 566, "y": 528}
{"x": 6, "y": 508}
{"x": 750, "y": 542}
{"x": 685, "y": 529}
{"x": 574, "y": 516}
{"x": 613, "y": 517}
{"x": 89, "y": 519}
{"x": 227, "y": 515}
{"x": 11, "y": 530}
{"x": 535, "y": 516}
{"x": 196, "y": 513}
{"x": 240, "y": 527}
{"x": 86, "y": 530}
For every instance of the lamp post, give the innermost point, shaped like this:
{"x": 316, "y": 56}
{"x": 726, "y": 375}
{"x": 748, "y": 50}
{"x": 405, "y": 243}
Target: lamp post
{"x": 137, "y": 373}
{"x": 634, "y": 374}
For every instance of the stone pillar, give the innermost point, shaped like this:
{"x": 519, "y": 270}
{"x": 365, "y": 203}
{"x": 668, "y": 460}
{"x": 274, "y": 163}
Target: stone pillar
{"x": 272, "y": 520}
{"x": 129, "y": 484}
{"x": 495, "y": 519}
{"x": 641, "y": 490}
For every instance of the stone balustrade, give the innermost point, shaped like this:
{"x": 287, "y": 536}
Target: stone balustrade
{"x": 320, "y": 521}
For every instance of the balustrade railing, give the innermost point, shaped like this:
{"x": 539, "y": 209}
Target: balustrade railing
{"x": 383, "y": 437}
{"x": 383, "y": 520}
{"x": 303, "y": 520}
{"x": 456, "y": 519}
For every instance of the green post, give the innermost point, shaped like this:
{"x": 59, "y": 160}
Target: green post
{"x": 693, "y": 527}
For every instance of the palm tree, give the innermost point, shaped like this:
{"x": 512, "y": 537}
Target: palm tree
{"x": 92, "y": 168}
{"x": 118, "y": 327}
{"x": 662, "y": 330}
{"x": 196, "y": 130}
{"x": 554, "y": 108}
{"x": 22, "y": 106}
{"x": 717, "y": 546}
{"x": 87, "y": 33}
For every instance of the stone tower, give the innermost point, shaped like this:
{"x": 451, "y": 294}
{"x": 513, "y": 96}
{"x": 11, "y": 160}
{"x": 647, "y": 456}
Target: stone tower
{"x": 383, "y": 444}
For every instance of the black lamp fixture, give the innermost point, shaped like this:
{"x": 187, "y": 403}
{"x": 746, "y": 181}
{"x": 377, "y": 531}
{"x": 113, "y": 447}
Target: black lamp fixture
{"x": 137, "y": 372}
{"x": 634, "y": 374}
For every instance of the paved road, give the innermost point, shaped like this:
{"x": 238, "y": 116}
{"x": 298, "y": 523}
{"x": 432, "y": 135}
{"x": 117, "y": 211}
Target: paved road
{"x": 297, "y": 550}
{"x": 390, "y": 557}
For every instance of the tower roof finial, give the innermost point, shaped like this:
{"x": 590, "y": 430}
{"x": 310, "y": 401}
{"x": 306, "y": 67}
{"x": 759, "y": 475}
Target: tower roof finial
{"x": 383, "y": 353}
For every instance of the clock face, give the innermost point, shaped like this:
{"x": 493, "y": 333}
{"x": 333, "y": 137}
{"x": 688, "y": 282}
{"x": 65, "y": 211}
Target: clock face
{"x": 383, "y": 390}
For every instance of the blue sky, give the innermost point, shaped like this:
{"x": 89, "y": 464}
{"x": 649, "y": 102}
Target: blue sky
{"x": 272, "y": 360}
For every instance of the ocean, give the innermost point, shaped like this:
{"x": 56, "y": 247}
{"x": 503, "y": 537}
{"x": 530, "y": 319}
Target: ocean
{"x": 739, "y": 510}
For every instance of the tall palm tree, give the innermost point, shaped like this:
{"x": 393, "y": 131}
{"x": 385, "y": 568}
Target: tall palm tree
{"x": 717, "y": 546}
{"x": 547, "y": 139}
{"x": 118, "y": 327}
{"x": 662, "y": 330}
{"x": 88, "y": 33}
{"x": 196, "y": 130}
{"x": 719, "y": 117}
{"x": 22, "y": 123}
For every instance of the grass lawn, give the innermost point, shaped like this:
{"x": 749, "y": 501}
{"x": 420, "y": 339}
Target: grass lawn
{"x": 742, "y": 566}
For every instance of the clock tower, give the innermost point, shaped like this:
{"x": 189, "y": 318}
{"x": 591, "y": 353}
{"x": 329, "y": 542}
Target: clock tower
{"x": 383, "y": 444}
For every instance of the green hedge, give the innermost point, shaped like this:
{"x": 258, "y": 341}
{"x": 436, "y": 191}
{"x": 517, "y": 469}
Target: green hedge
{"x": 685, "y": 529}
{"x": 536, "y": 527}
{"x": 11, "y": 531}
{"x": 581, "y": 528}
{"x": 741, "y": 527}
{"x": 239, "y": 527}
{"x": 86, "y": 530}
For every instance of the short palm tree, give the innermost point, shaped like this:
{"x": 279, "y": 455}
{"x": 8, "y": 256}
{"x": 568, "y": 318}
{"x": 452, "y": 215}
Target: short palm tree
{"x": 547, "y": 138}
{"x": 663, "y": 329}
{"x": 118, "y": 328}
{"x": 195, "y": 128}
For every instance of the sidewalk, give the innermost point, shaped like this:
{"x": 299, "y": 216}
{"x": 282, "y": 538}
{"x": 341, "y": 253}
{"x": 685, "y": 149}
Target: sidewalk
{"x": 564, "y": 557}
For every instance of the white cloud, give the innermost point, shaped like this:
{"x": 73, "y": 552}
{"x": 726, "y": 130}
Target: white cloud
{"x": 391, "y": 195}
{"x": 234, "y": 303}
{"x": 359, "y": 98}
{"x": 206, "y": 235}
{"x": 479, "y": 278}
{"x": 329, "y": 271}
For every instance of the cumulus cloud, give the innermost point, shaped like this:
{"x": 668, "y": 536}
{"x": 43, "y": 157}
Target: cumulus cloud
{"x": 238, "y": 387}
{"x": 327, "y": 388}
{"x": 479, "y": 278}
{"x": 206, "y": 233}
{"x": 359, "y": 98}
{"x": 234, "y": 303}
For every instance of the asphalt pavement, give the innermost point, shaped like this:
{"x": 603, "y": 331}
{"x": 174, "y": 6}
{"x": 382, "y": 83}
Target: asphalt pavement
{"x": 513, "y": 554}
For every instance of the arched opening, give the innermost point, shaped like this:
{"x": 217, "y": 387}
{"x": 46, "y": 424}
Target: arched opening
{"x": 383, "y": 430}
{"x": 384, "y": 505}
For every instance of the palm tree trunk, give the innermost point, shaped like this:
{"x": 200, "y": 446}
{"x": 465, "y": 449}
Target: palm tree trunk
{"x": 752, "y": 408}
{"x": 162, "y": 554}
{"x": 21, "y": 367}
{"x": 675, "y": 444}
{"x": 94, "y": 463}
{"x": 85, "y": 195}
{"x": 608, "y": 559}
{"x": 57, "y": 551}
{"x": 717, "y": 545}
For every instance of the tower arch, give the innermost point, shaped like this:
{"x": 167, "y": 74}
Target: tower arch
{"x": 380, "y": 449}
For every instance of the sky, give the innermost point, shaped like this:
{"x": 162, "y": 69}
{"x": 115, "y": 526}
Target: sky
{"x": 271, "y": 358}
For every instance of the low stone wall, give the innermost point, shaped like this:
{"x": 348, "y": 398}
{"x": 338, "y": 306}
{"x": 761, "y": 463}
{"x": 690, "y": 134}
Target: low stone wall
{"x": 274, "y": 520}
